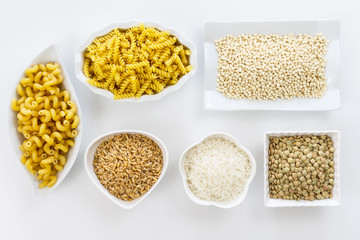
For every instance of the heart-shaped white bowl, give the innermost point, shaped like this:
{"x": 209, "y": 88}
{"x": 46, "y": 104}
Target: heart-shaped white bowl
{"x": 89, "y": 158}
{"x": 228, "y": 204}
{"x": 79, "y": 61}
{"x": 50, "y": 54}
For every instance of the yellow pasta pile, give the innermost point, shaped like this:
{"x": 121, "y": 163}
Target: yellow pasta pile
{"x": 47, "y": 119}
{"x": 139, "y": 60}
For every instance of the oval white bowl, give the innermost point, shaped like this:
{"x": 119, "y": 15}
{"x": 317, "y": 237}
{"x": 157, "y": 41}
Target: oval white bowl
{"x": 50, "y": 54}
{"x": 79, "y": 61}
{"x": 228, "y": 204}
{"x": 89, "y": 158}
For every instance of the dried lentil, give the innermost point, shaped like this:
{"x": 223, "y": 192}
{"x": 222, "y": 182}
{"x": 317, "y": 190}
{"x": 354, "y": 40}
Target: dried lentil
{"x": 313, "y": 176}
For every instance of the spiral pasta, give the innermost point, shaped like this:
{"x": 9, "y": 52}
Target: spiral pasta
{"x": 48, "y": 121}
{"x": 136, "y": 61}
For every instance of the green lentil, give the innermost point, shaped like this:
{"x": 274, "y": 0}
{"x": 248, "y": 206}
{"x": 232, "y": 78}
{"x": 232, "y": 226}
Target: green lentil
{"x": 301, "y": 167}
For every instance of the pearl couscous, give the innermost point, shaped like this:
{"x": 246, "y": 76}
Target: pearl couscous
{"x": 272, "y": 66}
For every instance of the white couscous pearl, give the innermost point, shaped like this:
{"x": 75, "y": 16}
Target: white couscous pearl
{"x": 272, "y": 66}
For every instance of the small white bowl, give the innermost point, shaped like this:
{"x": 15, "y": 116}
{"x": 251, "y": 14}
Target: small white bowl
{"x": 50, "y": 54}
{"x": 89, "y": 158}
{"x": 227, "y": 204}
{"x": 79, "y": 61}
{"x": 334, "y": 201}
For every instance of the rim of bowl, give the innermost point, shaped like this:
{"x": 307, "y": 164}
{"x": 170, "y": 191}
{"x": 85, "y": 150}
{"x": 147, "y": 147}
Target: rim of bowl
{"x": 39, "y": 194}
{"x": 228, "y": 204}
{"x": 79, "y": 60}
{"x": 90, "y": 171}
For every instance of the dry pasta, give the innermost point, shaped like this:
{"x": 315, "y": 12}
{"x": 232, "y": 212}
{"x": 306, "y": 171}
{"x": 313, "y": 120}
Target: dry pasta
{"x": 136, "y": 61}
{"x": 48, "y": 121}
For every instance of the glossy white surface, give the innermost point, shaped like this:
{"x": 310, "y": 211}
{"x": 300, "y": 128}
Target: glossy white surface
{"x": 80, "y": 50}
{"x": 77, "y": 210}
{"x": 89, "y": 158}
{"x": 228, "y": 204}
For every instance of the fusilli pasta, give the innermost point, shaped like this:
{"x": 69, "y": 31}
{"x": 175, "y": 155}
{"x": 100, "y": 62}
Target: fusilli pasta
{"x": 132, "y": 62}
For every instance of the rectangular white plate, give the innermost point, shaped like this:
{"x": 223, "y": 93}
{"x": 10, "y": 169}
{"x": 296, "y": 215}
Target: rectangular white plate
{"x": 214, "y": 100}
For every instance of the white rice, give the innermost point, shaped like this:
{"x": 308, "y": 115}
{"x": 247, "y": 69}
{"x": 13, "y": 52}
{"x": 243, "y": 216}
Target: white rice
{"x": 217, "y": 170}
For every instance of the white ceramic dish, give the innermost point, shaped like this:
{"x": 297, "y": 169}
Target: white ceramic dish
{"x": 334, "y": 201}
{"x": 50, "y": 54}
{"x": 214, "y": 100}
{"x": 228, "y": 204}
{"x": 89, "y": 158}
{"x": 79, "y": 60}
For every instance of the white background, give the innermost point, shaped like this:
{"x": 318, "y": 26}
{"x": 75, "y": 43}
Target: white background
{"x": 77, "y": 210}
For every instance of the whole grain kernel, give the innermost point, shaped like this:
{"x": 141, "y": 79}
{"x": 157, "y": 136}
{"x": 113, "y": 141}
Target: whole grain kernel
{"x": 128, "y": 165}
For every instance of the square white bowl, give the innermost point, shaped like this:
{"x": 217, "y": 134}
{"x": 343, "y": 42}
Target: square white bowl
{"x": 79, "y": 60}
{"x": 50, "y": 54}
{"x": 213, "y": 100}
{"x": 89, "y": 158}
{"x": 334, "y": 201}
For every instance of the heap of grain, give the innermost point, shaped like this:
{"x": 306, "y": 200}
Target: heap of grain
{"x": 128, "y": 165}
{"x": 217, "y": 170}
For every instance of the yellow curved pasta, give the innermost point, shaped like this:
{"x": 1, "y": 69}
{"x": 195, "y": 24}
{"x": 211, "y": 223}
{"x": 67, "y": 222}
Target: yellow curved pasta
{"x": 45, "y": 115}
{"x": 124, "y": 61}
{"x": 75, "y": 123}
{"x": 47, "y": 119}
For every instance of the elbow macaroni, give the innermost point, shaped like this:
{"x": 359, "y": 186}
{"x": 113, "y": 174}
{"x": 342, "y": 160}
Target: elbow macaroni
{"x": 48, "y": 121}
{"x": 139, "y": 60}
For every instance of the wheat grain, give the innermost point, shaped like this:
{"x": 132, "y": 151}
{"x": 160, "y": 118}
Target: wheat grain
{"x": 128, "y": 165}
